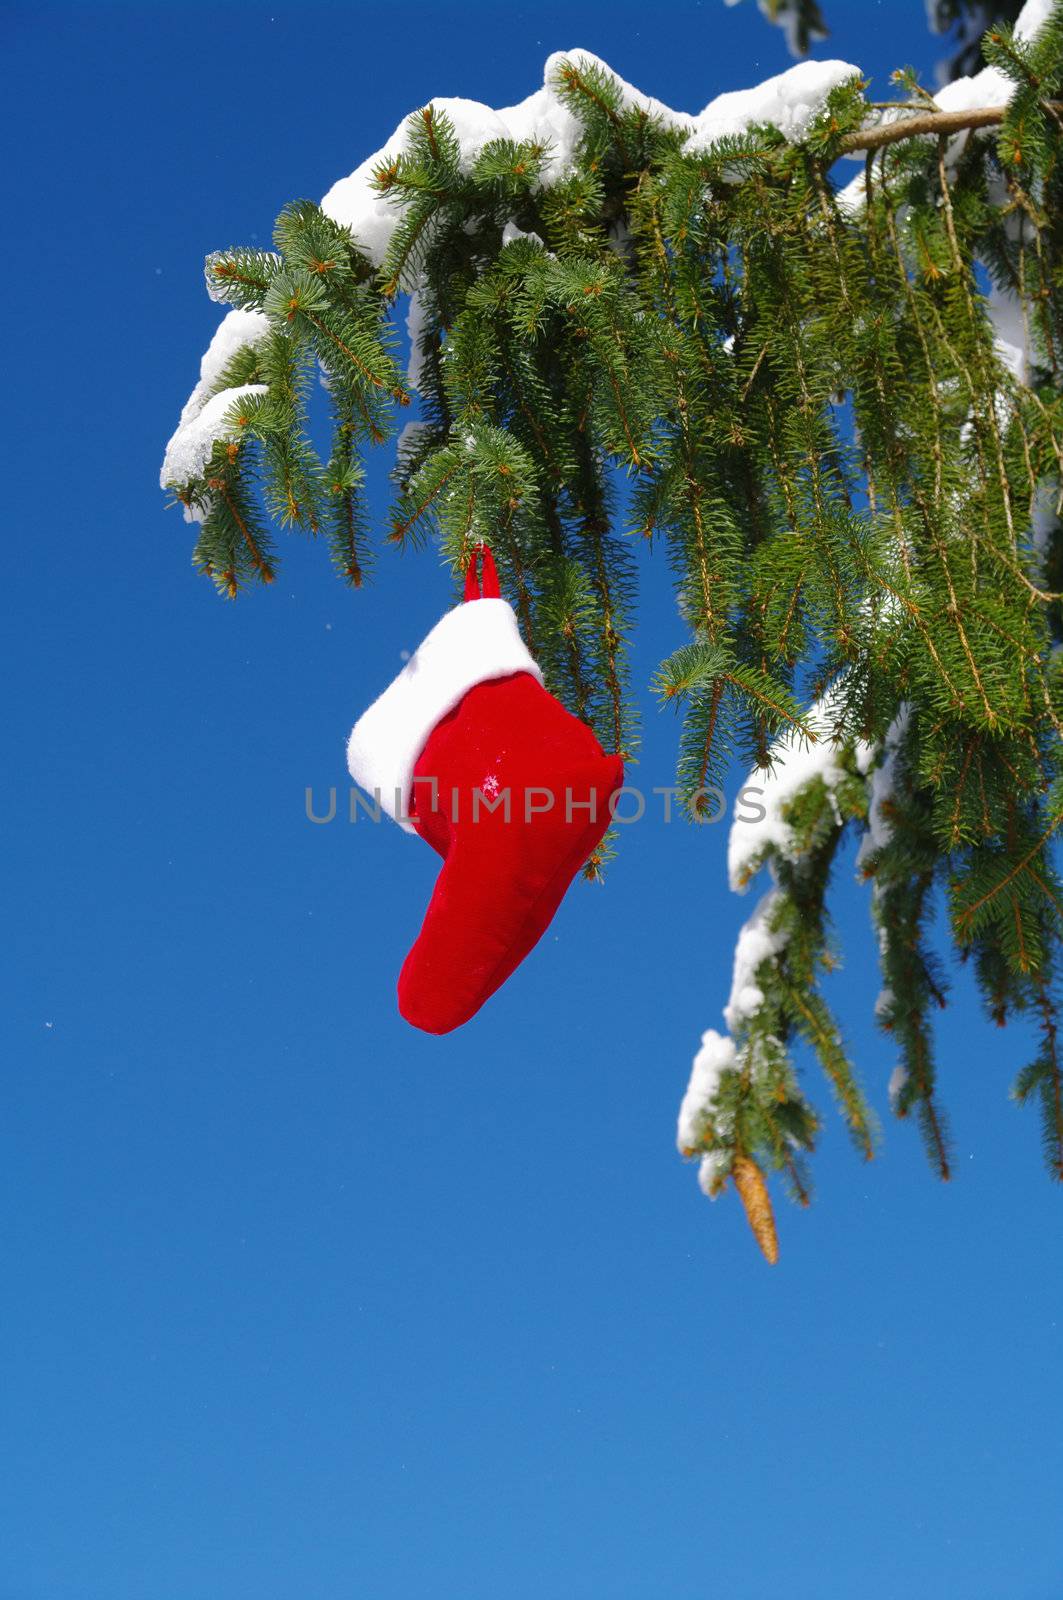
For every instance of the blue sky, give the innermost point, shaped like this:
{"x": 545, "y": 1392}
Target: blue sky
{"x": 299, "y": 1302}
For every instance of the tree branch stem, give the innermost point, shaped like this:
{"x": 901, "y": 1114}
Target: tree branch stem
{"x": 933, "y": 122}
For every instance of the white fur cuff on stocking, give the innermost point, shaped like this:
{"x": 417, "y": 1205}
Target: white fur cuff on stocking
{"x": 475, "y": 642}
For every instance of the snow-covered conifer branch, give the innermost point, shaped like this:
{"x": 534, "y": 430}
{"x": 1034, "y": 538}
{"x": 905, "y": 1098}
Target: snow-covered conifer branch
{"x": 840, "y": 414}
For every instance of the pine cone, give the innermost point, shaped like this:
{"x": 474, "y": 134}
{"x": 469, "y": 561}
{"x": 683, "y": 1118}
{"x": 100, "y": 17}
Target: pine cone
{"x": 753, "y": 1193}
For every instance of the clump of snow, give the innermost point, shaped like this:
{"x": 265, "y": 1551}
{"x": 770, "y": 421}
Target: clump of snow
{"x": 1010, "y": 339}
{"x": 898, "y": 1079}
{"x": 756, "y": 943}
{"x": 716, "y": 1056}
{"x": 189, "y": 450}
{"x": 711, "y": 1169}
{"x": 879, "y": 828}
{"x": 355, "y": 202}
{"x": 1032, "y": 17}
{"x": 202, "y": 419}
{"x": 231, "y": 334}
{"x": 795, "y": 763}
{"x": 789, "y": 101}
{"x": 990, "y": 87}
{"x": 511, "y": 232}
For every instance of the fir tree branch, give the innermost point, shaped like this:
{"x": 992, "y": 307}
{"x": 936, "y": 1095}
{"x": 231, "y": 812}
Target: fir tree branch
{"x": 925, "y": 122}
{"x": 819, "y": 414}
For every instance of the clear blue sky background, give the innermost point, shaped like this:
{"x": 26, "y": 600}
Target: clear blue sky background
{"x": 299, "y": 1302}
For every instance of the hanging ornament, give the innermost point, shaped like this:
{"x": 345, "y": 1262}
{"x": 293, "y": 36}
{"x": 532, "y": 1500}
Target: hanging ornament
{"x": 467, "y": 749}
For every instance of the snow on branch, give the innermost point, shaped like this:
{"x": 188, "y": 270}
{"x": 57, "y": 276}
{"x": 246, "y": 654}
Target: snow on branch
{"x": 789, "y": 102}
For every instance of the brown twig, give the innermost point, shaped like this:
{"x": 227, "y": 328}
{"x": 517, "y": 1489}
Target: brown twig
{"x": 933, "y": 122}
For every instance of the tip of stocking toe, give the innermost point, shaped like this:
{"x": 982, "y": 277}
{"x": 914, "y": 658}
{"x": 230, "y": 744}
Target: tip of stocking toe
{"x": 433, "y": 1018}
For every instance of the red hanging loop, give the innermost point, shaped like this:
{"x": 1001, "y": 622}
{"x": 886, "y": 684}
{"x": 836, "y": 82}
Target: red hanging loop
{"x": 484, "y": 587}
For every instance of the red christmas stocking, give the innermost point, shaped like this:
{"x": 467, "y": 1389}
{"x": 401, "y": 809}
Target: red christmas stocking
{"x": 468, "y": 749}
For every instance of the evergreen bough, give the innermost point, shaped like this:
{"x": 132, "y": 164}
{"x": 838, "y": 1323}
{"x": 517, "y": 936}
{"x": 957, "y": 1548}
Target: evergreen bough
{"x": 857, "y": 494}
